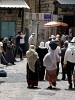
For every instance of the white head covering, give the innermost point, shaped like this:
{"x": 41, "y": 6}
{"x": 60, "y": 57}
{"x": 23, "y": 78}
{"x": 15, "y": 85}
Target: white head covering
{"x": 72, "y": 43}
{"x": 73, "y": 40}
{"x": 33, "y": 33}
{"x": 57, "y": 36}
{"x": 32, "y": 57}
{"x": 42, "y": 45}
{"x": 52, "y": 37}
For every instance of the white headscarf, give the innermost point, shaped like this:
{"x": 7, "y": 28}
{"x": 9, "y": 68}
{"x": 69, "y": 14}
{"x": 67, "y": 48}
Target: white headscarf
{"x": 42, "y": 45}
{"x": 72, "y": 43}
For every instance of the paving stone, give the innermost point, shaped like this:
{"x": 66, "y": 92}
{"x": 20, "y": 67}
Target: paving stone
{"x": 14, "y": 86}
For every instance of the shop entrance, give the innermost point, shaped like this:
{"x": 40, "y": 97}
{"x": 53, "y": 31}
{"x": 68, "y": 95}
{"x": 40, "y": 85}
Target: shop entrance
{"x": 70, "y": 20}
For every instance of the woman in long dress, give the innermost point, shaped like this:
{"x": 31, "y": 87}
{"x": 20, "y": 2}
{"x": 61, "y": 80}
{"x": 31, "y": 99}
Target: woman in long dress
{"x": 42, "y": 51}
{"x": 50, "y": 62}
{"x": 32, "y": 67}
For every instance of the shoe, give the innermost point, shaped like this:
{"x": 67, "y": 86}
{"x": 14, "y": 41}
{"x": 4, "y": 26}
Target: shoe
{"x": 70, "y": 86}
{"x": 32, "y": 87}
{"x": 28, "y": 86}
{"x": 50, "y": 87}
{"x": 74, "y": 85}
{"x": 21, "y": 59}
{"x": 13, "y": 63}
{"x": 9, "y": 64}
{"x": 54, "y": 83}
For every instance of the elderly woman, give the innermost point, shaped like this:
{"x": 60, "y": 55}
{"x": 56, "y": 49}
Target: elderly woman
{"x": 32, "y": 67}
{"x": 50, "y": 62}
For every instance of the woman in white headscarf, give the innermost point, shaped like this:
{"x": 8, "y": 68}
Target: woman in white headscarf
{"x": 32, "y": 67}
{"x": 50, "y": 62}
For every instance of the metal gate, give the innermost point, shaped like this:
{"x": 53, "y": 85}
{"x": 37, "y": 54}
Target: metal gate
{"x": 7, "y": 29}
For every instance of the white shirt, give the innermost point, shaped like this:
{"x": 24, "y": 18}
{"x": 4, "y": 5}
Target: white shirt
{"x": 63, "y": 37}
{"x": 32, "y": 40}
{"x": 70, "y": 55}
{"x": 1, "y": 45}
{"x": 47, "y": 45}
{"x": 50, "y": 60}
{"x": 22, "y": 41}
{"x": 58, "y": 50}
{"x": 70, "y": 32}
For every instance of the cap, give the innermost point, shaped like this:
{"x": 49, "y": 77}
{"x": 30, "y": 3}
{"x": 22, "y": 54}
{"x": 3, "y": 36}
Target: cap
{"x": 33, "y": 33}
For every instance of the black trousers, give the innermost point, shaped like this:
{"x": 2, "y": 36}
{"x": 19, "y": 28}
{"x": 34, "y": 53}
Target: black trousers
{"x": 63, "y": 72}
{"x": 69, "y": 70}
{"x": 18, "y": 49}
{"x": 57, "y": 68}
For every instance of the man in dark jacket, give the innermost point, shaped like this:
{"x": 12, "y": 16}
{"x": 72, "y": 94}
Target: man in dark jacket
{"x": 18, "y": 48}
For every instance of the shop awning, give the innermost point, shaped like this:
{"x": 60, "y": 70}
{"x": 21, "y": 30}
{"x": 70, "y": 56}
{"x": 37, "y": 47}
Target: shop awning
{"x": 67, "y": 4}
{"x": 66, "y": 1}
{"x": 13, "y": 4}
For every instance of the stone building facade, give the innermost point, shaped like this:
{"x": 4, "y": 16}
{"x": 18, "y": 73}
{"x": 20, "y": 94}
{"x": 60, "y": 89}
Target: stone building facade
{"x": 35, "y": 20}
{"x": 12, "y": 16}
{"x": 44, "y": 6}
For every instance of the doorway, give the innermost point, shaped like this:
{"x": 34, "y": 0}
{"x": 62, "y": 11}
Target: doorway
{"x": 70, "y": 20}
{"x": 7, "y": 29}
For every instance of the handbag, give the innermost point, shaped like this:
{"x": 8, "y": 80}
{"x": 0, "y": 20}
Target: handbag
{"x": 3, "y": 73}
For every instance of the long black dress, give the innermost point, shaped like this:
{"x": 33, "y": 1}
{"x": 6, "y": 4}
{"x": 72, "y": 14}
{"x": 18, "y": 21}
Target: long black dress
{"x": 41, "y": 53}
{"x": 32, "y": 77}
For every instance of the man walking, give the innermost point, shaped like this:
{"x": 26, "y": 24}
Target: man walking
{"x": 18, "y": 48}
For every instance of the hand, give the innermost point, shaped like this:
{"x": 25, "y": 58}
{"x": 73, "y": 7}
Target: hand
{"x": 64, "y": 66}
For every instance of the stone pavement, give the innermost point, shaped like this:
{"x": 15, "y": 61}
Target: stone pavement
{"x": 14, "y": 86}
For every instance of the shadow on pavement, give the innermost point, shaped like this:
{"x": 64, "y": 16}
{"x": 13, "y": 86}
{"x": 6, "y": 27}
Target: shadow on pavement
{"x": 73, "y": 89}
{"x": 33, "y": 88}
{"x": 2, "y": 82}
{"x": 56, "y": 89}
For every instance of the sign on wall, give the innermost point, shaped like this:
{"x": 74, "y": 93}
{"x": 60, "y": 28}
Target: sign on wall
{"x": 47, "y": 17}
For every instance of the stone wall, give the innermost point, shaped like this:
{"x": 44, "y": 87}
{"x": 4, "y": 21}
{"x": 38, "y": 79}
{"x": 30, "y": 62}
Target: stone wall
{"x": 44, "y": 6}
{"x": 11, "y": 16}
{"x": 31, "y": 4}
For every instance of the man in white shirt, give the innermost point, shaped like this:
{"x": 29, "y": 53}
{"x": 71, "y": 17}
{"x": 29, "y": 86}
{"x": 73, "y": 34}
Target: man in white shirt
{"x": 32, "y": 39}
{"x": 69, "y": 61}
{"x": 22, "y": 42}
{"x": 47, "y": 44}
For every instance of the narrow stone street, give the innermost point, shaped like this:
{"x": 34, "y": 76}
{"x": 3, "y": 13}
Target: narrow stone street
{"x": 14, "y": 86}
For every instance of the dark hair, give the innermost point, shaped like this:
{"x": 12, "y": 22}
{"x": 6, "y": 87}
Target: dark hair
{"x": 19, "y": 32}
{"x": 66, "y": 44}
{"x": 53, "y": 45}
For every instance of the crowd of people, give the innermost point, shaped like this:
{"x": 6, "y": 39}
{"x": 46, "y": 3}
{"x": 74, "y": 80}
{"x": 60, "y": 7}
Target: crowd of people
{"x": 43, "y": 61}
{"x": 10, "y": 47}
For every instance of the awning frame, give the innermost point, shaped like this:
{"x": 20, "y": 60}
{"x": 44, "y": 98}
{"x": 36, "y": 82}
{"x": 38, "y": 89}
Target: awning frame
{"x": 69, "y": 6}
{"x": 13, "y": 4}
